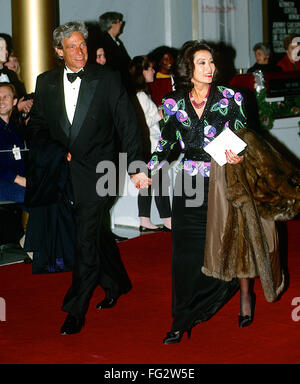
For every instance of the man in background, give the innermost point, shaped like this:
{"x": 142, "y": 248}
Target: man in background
{"x": 117, "y": 57}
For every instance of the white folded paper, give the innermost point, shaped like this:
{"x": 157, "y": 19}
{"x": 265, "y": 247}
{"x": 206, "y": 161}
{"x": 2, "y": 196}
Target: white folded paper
{"x": 226, "y": 140}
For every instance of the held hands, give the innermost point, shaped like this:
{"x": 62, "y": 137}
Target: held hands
{"x": 140, "y": 180}
{"x": 233, "y": 158}
{"x": 20, "y": 180}
{"x": 25, "y": 105}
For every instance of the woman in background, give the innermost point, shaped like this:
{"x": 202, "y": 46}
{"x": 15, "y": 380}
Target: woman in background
{"x": 142, "y": 74}
{"x": 288, "y": 62}
{"x": 100, "y": 56}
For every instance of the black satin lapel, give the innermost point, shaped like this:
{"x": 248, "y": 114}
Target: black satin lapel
{"x": 63, "y": 117}
{"x": 86, "y": 94}
{"x": 58, "y": 97}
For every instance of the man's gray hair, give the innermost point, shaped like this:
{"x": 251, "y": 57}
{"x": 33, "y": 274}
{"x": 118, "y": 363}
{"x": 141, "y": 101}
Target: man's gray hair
{"x": 65, "y": 31}
{"x": 108, "y": 18}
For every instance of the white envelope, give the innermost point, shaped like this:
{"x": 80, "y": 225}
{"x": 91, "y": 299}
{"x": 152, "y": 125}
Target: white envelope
{"x": 226, "y": 140}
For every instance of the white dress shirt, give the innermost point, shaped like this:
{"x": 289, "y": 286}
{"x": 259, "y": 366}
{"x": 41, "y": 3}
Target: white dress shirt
{"x": 71, "y": 91}
{"x": 3, "y": 77}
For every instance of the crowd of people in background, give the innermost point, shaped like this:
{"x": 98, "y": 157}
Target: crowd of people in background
{"x": 149, "y": 81}
{"x": 109, "y": 50}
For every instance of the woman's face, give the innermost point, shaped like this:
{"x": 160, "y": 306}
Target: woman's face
{"x": 3, "y": 51}
{"x": 100, "y": 56}
{"x": 12, "y": 63}
{"x": 149, "y": 74}
{"x": 204, "y": 67}
{"x": 261, "y": 57}
{"x": 166, "y": 62}
{"x": 290, "y": 50}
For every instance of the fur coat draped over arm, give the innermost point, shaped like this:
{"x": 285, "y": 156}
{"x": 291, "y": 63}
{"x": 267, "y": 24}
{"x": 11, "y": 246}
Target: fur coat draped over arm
{"x": 243, "y": 203}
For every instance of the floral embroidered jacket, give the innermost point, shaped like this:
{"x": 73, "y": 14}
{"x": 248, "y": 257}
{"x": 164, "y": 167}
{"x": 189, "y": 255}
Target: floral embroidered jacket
{"x": 224, "y": 108}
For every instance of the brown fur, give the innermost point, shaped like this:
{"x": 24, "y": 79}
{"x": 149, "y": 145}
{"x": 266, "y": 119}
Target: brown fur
{"x": 261, "y": 189}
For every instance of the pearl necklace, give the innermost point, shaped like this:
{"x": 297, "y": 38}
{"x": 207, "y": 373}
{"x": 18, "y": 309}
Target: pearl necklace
{"x": 200, "y": 105}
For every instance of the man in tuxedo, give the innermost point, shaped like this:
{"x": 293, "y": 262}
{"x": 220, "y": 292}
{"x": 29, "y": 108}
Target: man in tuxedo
{"x": 85, "y": 108}
{"x": 117, "y": 57}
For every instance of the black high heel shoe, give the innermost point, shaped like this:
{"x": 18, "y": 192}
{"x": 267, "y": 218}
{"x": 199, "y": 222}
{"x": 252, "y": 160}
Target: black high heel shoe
{"x": 149, "y": 230}
{"x": 245, "y": 321}
{"x": 175, "y": 337}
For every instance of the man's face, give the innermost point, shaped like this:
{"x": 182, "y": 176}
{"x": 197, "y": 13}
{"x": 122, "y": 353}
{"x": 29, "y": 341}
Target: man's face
{"x": 74, "y": 52}
{"x": 7, "y": 101}
{"x": 116, "y": 28}
{"x": 3, "y": 51}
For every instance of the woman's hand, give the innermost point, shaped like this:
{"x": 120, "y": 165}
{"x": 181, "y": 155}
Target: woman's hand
{"x": 24, "y": 105}
{"x": 140, "y": 180}
{"x": 233, "y": 158}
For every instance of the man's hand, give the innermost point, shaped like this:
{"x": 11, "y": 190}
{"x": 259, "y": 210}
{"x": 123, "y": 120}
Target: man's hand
{"x": 24, "y": 105}
{"x": 69, "y": 157}
{"x": 20, "y": 180}
{"x": 140, "y": 180}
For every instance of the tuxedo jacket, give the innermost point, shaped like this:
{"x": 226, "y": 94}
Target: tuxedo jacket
{"x": 104, "y": 124}
{"x": 117, "y": 56}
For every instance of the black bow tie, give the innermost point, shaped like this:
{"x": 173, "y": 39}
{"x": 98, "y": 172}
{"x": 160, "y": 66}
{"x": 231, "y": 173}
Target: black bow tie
{"x": 73, "y": 75}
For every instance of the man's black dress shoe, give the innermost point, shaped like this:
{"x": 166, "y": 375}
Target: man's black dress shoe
{"x": 145, "y": 229}
{"x": 107, "y": 303}
{"x": 72, "y": 324}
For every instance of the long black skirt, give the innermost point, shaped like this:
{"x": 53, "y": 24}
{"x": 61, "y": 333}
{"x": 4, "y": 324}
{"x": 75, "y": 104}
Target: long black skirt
{"x": 195, "y": 296}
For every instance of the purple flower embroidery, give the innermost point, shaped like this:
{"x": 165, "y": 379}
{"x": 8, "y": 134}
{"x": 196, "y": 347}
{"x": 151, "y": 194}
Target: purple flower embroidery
{"x": 210, "y": 131}
{"x": 238, "y": 98}
{"x": 223, "y": 103}
{"x": 170, "y": 107}
{"x": 228, "y": 93}
{"x": 191, "y": 167}
{"x": 182, "y": 116}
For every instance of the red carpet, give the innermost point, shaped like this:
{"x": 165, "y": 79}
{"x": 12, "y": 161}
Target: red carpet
{"x": 132, "y": 332}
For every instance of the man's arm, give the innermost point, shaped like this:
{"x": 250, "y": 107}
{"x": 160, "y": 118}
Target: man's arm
{"x": 37, "y": 124}
{"x": 127, "y": 127}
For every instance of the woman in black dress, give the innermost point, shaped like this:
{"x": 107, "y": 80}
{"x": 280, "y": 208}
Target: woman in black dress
{"x": 194, "y": 115}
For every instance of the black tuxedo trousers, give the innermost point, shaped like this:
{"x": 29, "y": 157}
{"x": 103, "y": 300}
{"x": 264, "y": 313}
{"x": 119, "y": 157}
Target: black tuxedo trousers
{"x": 97, "y": 259}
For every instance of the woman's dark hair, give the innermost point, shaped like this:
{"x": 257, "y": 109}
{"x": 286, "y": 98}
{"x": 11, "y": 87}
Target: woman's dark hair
{"x": 185, "y": 67}
{"x": 288, "y": 40}
{"x": 157, "y": 54}
{"x": 136, "y": 68}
